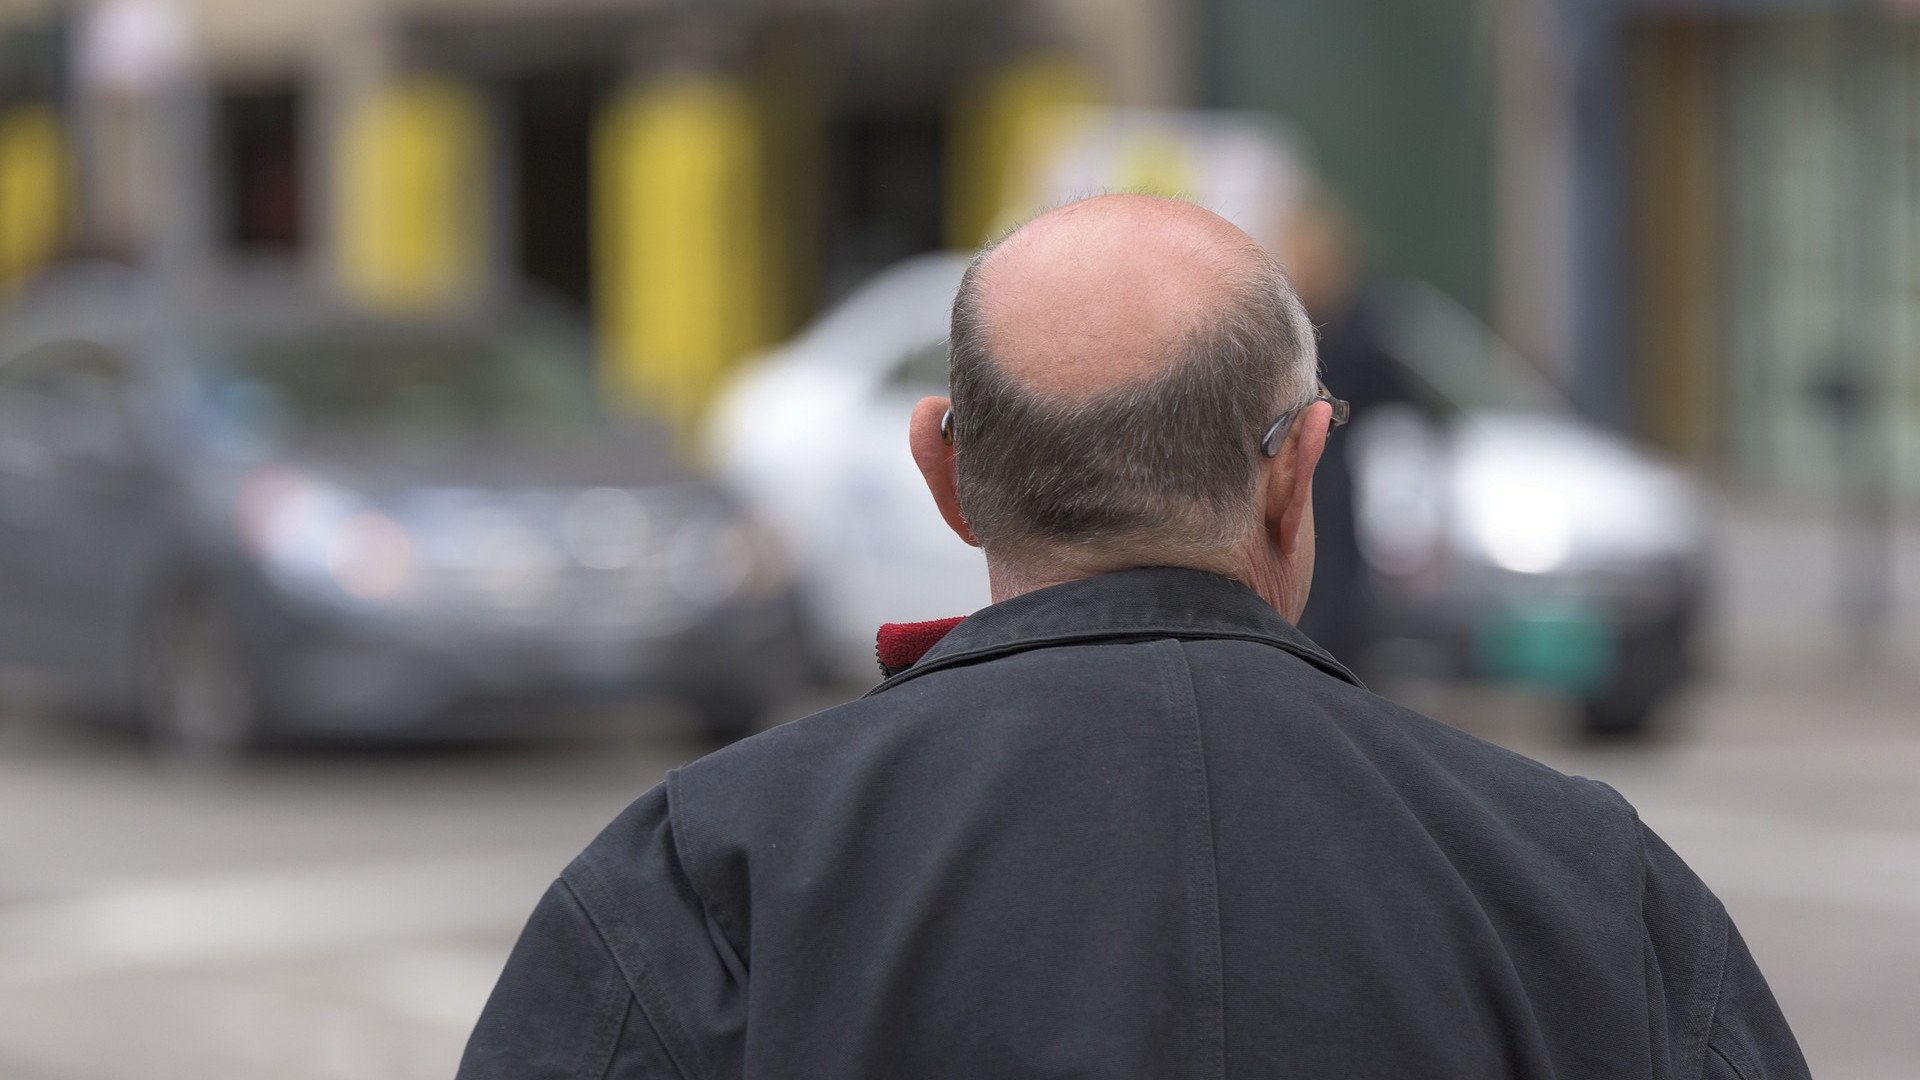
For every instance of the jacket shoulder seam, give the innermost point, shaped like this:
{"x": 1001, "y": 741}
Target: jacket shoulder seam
{"x": 1706, "y": 1003}
{"x": 614, "y": 1023}
{"x": 1711, "y": 957}
{"x": 593, "y": 895}
{"x": 687, "y": 841}
{"x": 1738, "y": 1062}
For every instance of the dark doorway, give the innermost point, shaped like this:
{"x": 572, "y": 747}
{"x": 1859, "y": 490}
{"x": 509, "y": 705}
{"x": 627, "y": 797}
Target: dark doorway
{"x": 259, "y": 160}
{"x": 552, "y": 149}
{"x": 885, "y": 190}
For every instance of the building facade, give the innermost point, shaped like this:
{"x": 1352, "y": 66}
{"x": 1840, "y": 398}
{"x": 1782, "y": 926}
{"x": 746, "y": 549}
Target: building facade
{"x": 1699, "y": 216}
{"x": 702, "y": 177}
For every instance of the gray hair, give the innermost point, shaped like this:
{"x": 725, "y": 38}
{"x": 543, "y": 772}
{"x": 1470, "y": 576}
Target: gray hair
{"x": 1161, "y": 468}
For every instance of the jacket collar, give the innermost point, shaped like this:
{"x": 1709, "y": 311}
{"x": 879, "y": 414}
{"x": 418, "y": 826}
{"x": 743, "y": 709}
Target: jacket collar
{"x": 1129, "y": 605}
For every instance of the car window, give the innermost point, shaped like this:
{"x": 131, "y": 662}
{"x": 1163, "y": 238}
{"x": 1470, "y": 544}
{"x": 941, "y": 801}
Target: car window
{"x": 67, "y": 369}
{"x": 62, "y": 401}
{"x": 1460, "y": 359}
{"x": 413, "y": 382}
{"x": 923, "y": 368}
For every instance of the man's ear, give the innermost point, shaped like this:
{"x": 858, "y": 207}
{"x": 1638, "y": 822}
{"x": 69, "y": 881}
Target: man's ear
{"x": 1290, "y": 477}
{"x": 934, "y": 455}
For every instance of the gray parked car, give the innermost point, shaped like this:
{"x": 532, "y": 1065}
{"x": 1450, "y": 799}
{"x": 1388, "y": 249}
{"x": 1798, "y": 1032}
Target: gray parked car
{"x": 253, "y": 515}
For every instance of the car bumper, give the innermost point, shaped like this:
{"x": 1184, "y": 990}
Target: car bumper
{"x": 316, "y": 676}
{"x": 1571, "y": 636}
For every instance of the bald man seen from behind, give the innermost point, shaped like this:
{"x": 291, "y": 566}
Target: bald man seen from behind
{"x": 1127, "y": 821}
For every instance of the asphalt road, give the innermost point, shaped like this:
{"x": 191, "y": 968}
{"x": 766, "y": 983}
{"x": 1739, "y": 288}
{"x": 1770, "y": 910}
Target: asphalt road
{"x": 343, "y": 916}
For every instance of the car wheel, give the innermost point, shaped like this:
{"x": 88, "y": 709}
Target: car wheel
{"x": 1649, "y": 668}
{"x": 196, "y": 705}
{"x": 1615, "y": 715}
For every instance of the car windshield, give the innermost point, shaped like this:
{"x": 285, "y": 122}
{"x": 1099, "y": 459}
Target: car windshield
{"x": 406, "y": 383}
{"x": 1465, "y": 365}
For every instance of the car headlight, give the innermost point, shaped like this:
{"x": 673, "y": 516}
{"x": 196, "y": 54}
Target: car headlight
{"x": 714, "y": 557}
{"x": 1520, "y": 523}
{"x": 711, "y": 558}
{"x": 315, "y": 536}
{"x": 606, "y": 528}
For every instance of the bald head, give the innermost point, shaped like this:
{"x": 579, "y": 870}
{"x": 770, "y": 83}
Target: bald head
{"x": 1114, "y": 364}
{"x": 1107, "y": 291}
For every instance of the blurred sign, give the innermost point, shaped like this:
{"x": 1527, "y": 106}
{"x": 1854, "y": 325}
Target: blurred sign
{"x": 679, "y": 234}
{"x": 1001, "y": 128}
{"x": 412, "y": 210}
{"x": 1247, "y": 168}
{"x": 33, "y": 175}
{"x": 134, "y": 47}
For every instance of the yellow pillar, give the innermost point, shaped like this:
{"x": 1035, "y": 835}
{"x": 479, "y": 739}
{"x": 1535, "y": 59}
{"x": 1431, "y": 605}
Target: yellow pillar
{"x": 679, "y": 242}
{"x": 33, "y": 191}
{"x": 411, "y": 195}
{"x": 1002, "y": 128}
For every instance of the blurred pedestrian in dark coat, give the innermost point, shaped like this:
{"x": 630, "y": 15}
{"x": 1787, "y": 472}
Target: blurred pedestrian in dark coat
{"x": 1325, "y": 259}
{"x": 1127, "y": 821}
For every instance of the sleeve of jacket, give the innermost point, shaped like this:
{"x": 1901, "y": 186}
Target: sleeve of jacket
{"x": 620, "y": 973}
{"x": 1749, "y": 1039}
{"x": 1717, "y": 1015}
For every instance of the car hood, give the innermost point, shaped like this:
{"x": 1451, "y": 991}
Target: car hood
{"x": 1527, "y": 491}
{"x": 1615, "y": 501}
{"x": 377, "y": 465}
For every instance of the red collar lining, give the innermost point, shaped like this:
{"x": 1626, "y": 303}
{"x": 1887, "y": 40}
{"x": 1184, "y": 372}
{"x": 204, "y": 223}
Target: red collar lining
{"x": 899, "y": 646}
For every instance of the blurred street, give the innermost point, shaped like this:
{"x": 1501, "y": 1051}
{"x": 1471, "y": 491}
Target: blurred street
{"x": 344, "y": 915}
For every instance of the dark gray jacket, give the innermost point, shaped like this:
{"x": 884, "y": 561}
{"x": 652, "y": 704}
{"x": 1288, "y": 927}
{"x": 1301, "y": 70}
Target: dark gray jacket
{"x": 1132, "y": 826}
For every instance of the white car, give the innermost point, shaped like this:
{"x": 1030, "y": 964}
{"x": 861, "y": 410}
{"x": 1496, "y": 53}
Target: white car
{"x": 1507, "y": 539}
{"x": 814, "y": 438}
{"x": 1503, "y": 537}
